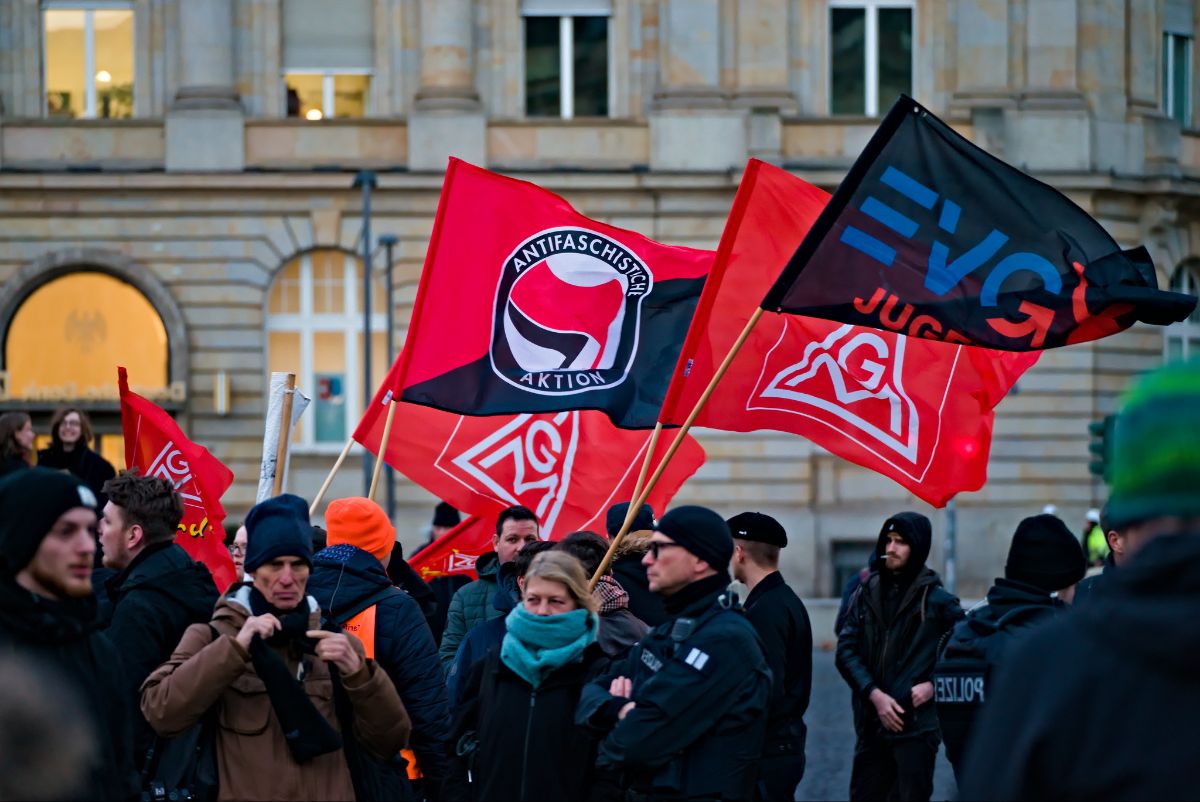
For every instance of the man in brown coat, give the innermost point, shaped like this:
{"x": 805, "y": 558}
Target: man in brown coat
{"x": 269, "y": 669}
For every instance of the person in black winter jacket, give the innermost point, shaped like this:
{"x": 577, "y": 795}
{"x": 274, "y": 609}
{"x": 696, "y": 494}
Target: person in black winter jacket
{"x": 1115, "y": 681}
{"x": 350, "y": 583}
{"x": 886, "y": 653}
{"x": 1092, "y": 587}
{"x": 627, "y": 568}
{"x": 407, "y": 579}
{"x": 1044, "y": 558}
{"x": 70, "y": 450}
{"x": 514, "y": 730}
{"x": 159, "y": 591}
{"x": 48, "y": 611}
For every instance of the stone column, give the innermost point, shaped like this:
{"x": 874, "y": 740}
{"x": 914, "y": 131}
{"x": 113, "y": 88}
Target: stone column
{"x": 762, "y": 74}
{"x": 447, "y": 118}
{"x": 693, "y": 125}
{"x": 206, "y": 127}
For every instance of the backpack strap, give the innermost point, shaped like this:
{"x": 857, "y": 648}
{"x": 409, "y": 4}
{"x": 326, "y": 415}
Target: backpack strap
{"x": 375, "y": 598}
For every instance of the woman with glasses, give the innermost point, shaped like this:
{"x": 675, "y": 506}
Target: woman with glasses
{"x": 237, "y": 550}
{"x": 70, "y": 450}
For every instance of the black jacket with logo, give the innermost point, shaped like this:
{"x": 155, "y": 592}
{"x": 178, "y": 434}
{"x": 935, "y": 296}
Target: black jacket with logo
{"x": 1116, "y": 689}
{"x": 973, "y": 651}
{"x": 781, "y": 621}
{"x": 701, "y": 687}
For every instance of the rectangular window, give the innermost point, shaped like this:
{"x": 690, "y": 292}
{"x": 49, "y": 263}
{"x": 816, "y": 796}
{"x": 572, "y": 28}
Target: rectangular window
{"x": 566, "y": 66}
{"x": 327, "y": 61}
{"x": 327, "y": 94}
{"x": 870, "y": 55}
{"x": 88, "y": 59}
{"x": 1177, "y": 77}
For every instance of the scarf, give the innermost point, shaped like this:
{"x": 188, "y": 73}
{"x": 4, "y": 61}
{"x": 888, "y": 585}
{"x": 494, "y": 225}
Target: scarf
{"x": 306, "y": 731}
{"x": 610, "y": 595}
{"x": 535, "y": 646}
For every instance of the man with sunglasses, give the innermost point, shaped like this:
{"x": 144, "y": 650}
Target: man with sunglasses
{"x": 683, "y": 714}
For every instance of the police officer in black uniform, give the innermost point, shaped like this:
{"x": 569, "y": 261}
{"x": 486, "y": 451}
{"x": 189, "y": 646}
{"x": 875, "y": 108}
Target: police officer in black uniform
{"x": 683, "y": 715}
{"x": 1044, "y": 558}
{"x": 782, "y": 622}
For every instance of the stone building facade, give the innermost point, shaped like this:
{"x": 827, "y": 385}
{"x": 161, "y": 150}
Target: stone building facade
{"x": 203, "y": 153}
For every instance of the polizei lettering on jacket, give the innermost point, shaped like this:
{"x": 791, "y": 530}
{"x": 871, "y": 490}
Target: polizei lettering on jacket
{"x": 959, "y": 689}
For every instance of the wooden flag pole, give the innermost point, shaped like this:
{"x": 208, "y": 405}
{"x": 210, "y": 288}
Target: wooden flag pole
{"x": 676, "y": 443}
{"x": 312, "y": 509}
{"x": 285, "y": 433}
{"x": 631, "y": 513}
{"x": 383, "y": 444}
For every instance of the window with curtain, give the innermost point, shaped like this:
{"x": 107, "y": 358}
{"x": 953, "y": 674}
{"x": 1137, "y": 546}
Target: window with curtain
{"x": 870, "y": 55}
{"x": 327, "y": 58}
{"x": 88, "y": 59}
{"x": 1182, "y": 340}
{"x": 315, "y": 330}
{"x": 566, "y": 59}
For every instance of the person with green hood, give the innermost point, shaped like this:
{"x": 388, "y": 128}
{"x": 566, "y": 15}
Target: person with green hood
{"x": 514, "y": 731}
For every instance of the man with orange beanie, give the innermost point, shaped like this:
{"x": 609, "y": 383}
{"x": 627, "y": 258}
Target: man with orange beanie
{"x": 350, "y": 582}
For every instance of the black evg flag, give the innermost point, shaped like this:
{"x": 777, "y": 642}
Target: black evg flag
{"x": 933, "y": 237}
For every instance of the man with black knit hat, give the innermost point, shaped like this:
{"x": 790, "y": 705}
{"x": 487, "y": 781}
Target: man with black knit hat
{"x": 627, "y": 565}
{"x": 276, "y": 677}
{"x": 48, "y": 611}
{"x": 683, "y": 714}
{"x": 782, "y": 622}
{"x": 886, "y": 653}
{"x": 1045, "y": 559}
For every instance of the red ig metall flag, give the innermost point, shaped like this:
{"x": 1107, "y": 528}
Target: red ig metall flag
{"x": 455, "y": 552}
{"x": 156, "y": 446}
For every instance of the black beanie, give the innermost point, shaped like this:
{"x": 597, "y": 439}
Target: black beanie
{"x": 702, "y": 532}
{"x": 644, "y": 519}
{"x": 1044, "y": 553}
{"x": 445, "y": 515}
{"x": 278, "y": 527}
{"x": 30, "y": 502}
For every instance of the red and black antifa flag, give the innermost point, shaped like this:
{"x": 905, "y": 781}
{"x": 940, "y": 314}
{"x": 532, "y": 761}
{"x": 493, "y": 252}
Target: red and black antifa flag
{"x": 525, "y": 305}
{"x": 930, "y": 236}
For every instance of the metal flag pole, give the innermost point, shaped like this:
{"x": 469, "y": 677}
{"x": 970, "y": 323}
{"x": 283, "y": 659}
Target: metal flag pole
{"x": 365, "y": 180}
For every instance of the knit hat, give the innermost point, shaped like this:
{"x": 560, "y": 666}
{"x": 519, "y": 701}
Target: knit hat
{"x": 30, "y": 502}
{"x": 616, "y": 516}
{"x": 1155, "y": 458}
{"x": 702, "y": 532}
{"x": 759, "y": 528}
{"x": 360, "y": 522}
{"x": 278, "y": 527}
{"x": 1044, "y": 553}
{"x": 445, "y": 515}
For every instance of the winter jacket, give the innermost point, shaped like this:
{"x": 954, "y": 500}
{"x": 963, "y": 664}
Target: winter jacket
{"x": 62, "y": 636}
{"x": 894, "y": 655}
{"x": 975, "y": 648}
{"x": 700, "y": 687}
{"x": 444, "y": 588}
{"x": 1091, "y": 588}
{"x": 160, "y": 594}
{"x": 619, "y": 627}
{"x": 342, "y": 579}
{"x": 781, "y": 621}
{"x": 527, "y": 747}
{"x": 407, "y": 579}
{"x": 93, "y": 469}
{"x": 470, "y": 605}
{"x": 483, "y": 636}
{"x": 1141, "y": 644}
{"x": 629, "y": 572}
{"x": 12, "y": 465}
{"x": 253, "y": 760}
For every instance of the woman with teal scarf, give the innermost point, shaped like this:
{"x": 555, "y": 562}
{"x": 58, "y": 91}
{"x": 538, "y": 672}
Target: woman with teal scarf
{"x": 515, "y": 733}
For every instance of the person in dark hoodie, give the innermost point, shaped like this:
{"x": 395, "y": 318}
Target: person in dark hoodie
{"x": 350, "y": 583}
{"x": 158, "y": 592}
{"x": 48, "y": 611}
{"x": 1045, "y": 558}
{"x": 487, "y": 634}
{"x": 619, "y": 627}
{"x": 70, "y": 450}
{"x": 1092, "y": 587}
{"x": 627, "y": 565}
{"x": 886, "y": 653}
{"x": 472, "y": 604}
{"x": 1138, "y": 641}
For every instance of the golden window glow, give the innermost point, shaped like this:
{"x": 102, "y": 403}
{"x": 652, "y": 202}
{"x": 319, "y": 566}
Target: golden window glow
{"x": 89, "y": 62}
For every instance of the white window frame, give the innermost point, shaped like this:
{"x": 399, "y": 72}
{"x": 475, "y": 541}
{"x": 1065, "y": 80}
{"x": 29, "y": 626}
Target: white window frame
{"x": 88, "y": 7}
{"x": 1168, "y": 83}
{"x": 870, "y": 10}
{"x": 566, "y": 59}
{"x": 1185, "y": 331}
{"x": 327, "y": 89}
{"x": 348, "y": 323}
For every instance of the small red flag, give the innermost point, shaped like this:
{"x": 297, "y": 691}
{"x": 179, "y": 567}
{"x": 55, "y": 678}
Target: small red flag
{"x": 568, "y": 467}
{"x": 456, "y": 551}
{"x": 156, "y": 446}
{"x": 916, "y": 410}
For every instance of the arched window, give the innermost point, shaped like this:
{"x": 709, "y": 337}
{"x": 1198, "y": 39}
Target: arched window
{"x": 1182, "y": 340}
{"x": 315, "y": 330}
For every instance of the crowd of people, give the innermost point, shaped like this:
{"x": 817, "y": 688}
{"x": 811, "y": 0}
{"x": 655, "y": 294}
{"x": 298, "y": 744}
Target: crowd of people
{"x": 684, "y": 673}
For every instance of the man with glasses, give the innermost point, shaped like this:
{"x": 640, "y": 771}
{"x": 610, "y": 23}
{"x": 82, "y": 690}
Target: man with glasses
{"x": 683, "y": 714}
